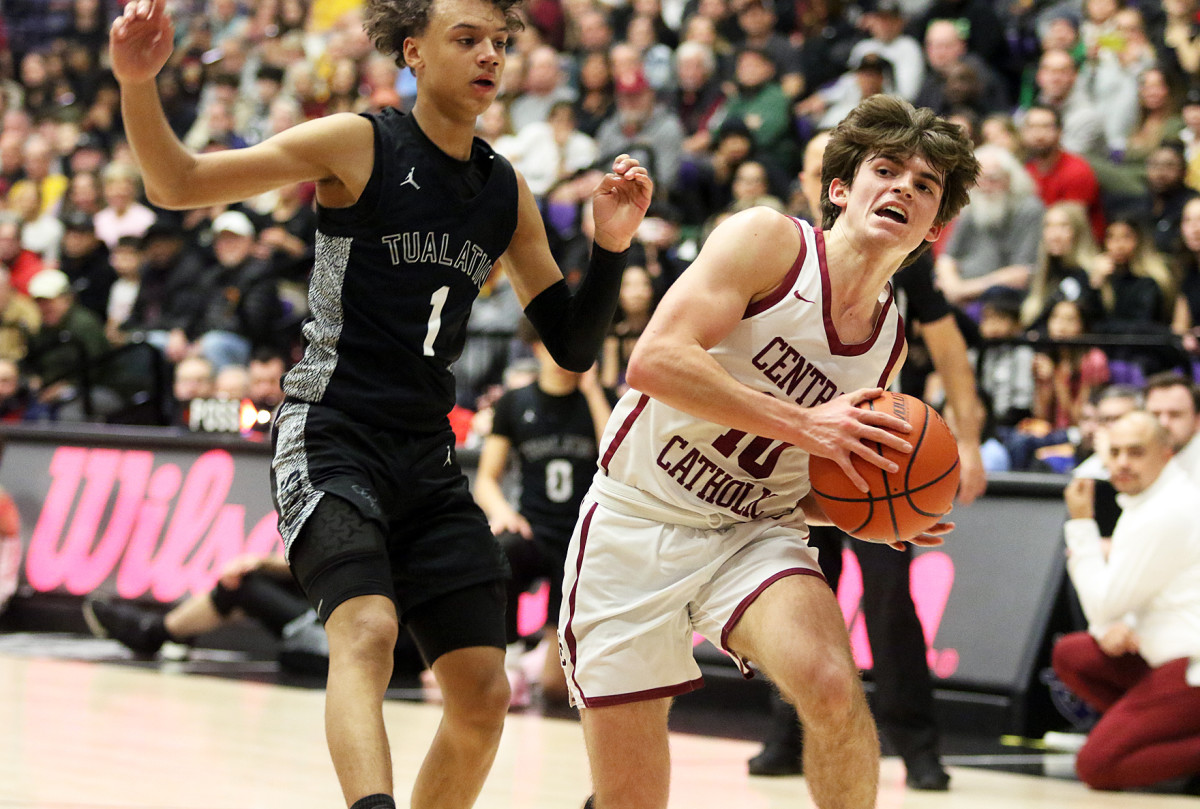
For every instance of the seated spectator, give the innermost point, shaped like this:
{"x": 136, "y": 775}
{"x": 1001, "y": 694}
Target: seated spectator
{"x": 1136, "y": 288}
{"x": 635, "y": 305}
{"x": 1060, "y": 175}
{"x": 549, "y": 151}
{"x": 1163, "y": 195}
{"x": 266, "y": 368}
{"x": 1005, "y": 370}
{"x": 232, "y": 383}
{"x": 1136, "y": 661}
{"x": 126, "y": 262}
{"x": 61, "y": 353}
{"x": 85, "y": 260}
{"x": 1058, "y": 86}
{"x": 698, "y": 96}
{"x": 760, "y": 103}
{"x": 596, "y": 99}
{"x": 16, "y": 401}
{"x": 39, "y": 169}
{"x": 22, "y": 264}
{"x": 1065, "y": 376}
{"x": 235, "y": 303}
{"x": 41, "y": 231}
{"x": 705, "y": 186}
{"x": 1061, "y": 272}
{"x": 994, "y": 241}
{"x": 1174, "y": 400}
{"x": 643, "y": 128}
{"x": 544, "y": 85}
{"x": 194, "y": 378}
{"x": 1187, "y": 270}
{"x": 19, "y": 319}
{"x": 946, "y": 55}
{"x": 756, "y": 21}
{"x": 169, "y": 269}
{"x": 869, "y": 73}
{"x": 122, "y": 214}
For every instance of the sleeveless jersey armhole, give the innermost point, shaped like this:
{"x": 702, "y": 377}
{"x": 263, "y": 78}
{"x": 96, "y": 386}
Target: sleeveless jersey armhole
{"x": 368, "y": 201}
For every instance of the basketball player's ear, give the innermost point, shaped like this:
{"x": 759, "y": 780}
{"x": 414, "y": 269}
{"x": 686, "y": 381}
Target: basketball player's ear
{"x": 839, "y": 192}
{"x": 411, "y": 51}
{"x": 934, "y": 233}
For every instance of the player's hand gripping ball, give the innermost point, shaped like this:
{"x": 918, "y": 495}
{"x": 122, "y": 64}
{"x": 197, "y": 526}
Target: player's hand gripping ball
{"x": 899, "y": 505}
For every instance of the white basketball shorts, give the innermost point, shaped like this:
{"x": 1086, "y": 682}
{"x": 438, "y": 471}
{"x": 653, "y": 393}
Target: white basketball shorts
{"x": 635, "y": 589}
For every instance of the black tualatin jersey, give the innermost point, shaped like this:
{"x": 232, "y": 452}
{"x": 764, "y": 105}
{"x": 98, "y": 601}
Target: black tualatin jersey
{"x": 395, "y": 277}
{"x": 555, "y": 441}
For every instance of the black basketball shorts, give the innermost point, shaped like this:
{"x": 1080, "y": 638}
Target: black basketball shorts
{"x": 431, "y": 539}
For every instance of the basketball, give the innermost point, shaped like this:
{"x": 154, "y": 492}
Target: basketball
{"x": 899, "y": 505}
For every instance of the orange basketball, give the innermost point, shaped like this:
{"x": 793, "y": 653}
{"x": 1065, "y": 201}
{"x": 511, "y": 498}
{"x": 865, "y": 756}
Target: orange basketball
{"x": 900, "y": 505}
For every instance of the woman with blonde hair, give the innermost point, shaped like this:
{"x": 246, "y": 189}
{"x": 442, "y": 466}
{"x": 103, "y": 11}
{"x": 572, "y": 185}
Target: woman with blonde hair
{"x": 1065, "y": 255}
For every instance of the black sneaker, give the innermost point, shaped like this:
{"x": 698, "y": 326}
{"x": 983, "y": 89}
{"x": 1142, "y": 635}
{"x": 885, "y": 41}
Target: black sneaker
{"x": 777, "y": 759}
{"x": 134, "y": 627}
{"x": 925, "y": 773}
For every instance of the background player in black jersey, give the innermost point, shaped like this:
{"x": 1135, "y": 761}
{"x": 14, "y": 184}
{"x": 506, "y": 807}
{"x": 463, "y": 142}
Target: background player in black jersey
{"x": 903, "y": 699}
{"x": 553, "y": 427}
{"x": 413, "y": 212}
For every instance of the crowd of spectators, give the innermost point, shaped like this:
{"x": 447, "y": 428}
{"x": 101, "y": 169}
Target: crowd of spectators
{"x": 1086, "y": 114}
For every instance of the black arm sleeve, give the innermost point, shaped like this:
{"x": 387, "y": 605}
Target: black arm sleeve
{"x": 572, "y": 327}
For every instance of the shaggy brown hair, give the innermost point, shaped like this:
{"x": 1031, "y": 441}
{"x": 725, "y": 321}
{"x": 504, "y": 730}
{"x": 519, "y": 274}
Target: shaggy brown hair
{"x": 888, "y": 126}
{"x": 389, "y": 22}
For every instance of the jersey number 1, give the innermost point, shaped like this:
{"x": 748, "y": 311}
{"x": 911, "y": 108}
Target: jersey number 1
{"x": 437, "y": 301}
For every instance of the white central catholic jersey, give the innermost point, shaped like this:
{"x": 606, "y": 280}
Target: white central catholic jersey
{"x": 785, "y": 346}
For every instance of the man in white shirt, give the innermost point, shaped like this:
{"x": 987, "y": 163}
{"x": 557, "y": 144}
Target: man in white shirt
{"x": 1138, "y": 663}
{"x": 1174, "y": 400}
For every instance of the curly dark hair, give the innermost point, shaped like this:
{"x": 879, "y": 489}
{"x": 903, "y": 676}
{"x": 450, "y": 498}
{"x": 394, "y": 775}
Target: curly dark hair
{"x": 890, "y": 126}
{"x": 389, "y": 22}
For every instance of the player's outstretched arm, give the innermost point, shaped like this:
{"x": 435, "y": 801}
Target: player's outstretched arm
{"x": 336, "y": 151}
{"x": 744, "y": 259}
{"x": 572, "y": 325}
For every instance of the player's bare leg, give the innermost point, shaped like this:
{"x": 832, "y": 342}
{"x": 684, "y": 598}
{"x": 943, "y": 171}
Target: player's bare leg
{"x": 795, "y": 633}
{"x": 474, "y": 703}
{"x": 554, "y": 679}
{"x": 628, "y": 754}
{"x": 362, "y": 634}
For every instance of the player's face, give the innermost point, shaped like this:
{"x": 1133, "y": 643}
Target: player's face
{"x": 891, "y": 200}
{"x": 461, "y": 55}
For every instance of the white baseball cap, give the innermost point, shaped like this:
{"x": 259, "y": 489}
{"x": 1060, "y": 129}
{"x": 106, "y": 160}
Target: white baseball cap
{"x": 49, "y": 284}
{"x": 233, "y": 222}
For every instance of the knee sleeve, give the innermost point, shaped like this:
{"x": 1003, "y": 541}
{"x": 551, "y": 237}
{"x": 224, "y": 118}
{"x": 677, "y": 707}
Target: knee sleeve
{"x": 340, "y": 554}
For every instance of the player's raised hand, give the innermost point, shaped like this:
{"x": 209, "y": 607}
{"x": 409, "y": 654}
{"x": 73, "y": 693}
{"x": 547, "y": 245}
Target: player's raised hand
{"x": 840, "y": 429}
{"x": 140, "y": 41}
{"x": 619, "y": 203}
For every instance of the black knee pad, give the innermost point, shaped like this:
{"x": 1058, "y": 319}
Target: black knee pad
{"x": 339, "y": 554}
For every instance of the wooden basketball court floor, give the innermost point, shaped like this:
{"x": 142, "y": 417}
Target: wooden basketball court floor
{"x": 97, "y": 734}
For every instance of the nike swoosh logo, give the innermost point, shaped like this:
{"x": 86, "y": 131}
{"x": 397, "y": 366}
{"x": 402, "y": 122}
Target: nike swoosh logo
{"x": 801, "y": 297}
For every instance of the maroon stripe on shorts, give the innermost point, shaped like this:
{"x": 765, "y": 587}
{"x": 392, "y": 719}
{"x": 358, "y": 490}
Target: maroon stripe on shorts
{"x": 615, "y": 444}
{"x": 748, "y": 600}
{"x": 642, "y": 696}
{"x": 569, "y": 631}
